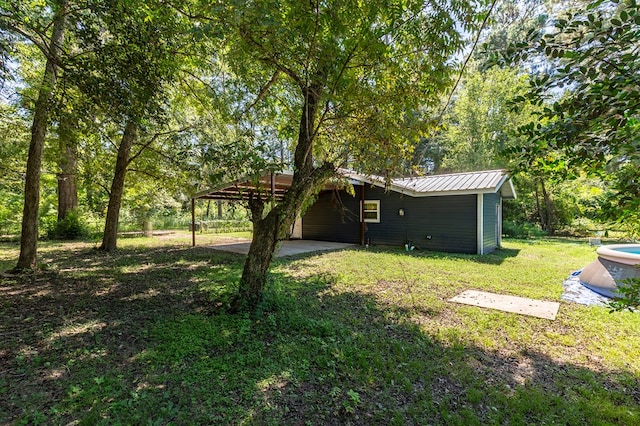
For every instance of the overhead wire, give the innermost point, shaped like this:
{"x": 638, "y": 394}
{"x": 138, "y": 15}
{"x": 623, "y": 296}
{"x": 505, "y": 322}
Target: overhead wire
{"x": 464, "y": 65}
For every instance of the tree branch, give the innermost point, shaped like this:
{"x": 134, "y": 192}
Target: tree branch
{"x": 334, "y": 85}
{"x": 152, "y": 140}
{"x": 106, "y": 189}
{"x": 147, "y": 173}
{"x": 264, "y": 90}
{"x": 188, "y": 14}
{"x": 270, "y": 59}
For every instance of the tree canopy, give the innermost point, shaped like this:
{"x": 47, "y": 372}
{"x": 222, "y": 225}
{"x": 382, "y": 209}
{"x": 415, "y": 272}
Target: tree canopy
{"x": 356, "y": 81}
{"x": 590, "y": 116}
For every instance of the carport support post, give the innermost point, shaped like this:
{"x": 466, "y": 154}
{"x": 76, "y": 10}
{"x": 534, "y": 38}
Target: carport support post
{"x": 273, "y": 188}
{"x": 193, "y": 222}
{"x": 362, "y": 224}
{"x": 480, "y": 224}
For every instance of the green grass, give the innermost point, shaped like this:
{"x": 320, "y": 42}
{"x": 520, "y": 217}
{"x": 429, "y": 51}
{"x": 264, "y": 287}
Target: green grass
{"x": 350, "y": 337}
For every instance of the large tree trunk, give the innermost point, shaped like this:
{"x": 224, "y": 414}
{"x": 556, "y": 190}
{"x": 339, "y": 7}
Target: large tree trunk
{"x": 29, "y": 235}
{"x": 268, "y": 230}
{"x": 129, "y": 136}
{"x": 263, "y": 245}
{"x": 68, "y": 164}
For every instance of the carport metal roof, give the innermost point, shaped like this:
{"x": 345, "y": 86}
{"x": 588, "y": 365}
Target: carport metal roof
{"x": 275, "y": 184}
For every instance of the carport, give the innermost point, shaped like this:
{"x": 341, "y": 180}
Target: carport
{"x": 272, "y": 186}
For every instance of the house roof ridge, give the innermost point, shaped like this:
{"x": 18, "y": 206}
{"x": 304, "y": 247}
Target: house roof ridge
{"x": 454, "y": 174}
{"x": 350, "y": 171}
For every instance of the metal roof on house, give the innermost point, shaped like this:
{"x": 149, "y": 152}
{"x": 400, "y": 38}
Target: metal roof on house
{"x": 487, "y": 181}
{"x": 276, "y": 184}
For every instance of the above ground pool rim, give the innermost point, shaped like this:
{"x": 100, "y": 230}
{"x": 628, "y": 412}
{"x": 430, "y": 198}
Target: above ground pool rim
{"x": 610, "y": 253}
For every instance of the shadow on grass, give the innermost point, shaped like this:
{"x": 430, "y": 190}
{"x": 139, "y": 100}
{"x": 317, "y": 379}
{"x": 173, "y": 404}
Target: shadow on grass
{"x": 496, "y": 257}
{"x": 134, "y": 338}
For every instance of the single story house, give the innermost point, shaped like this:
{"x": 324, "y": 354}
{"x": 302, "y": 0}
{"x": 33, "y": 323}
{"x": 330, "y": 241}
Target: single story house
{"x": 458, "y": 213}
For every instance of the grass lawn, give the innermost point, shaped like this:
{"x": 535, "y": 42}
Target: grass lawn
{"x": 350, "y": 337}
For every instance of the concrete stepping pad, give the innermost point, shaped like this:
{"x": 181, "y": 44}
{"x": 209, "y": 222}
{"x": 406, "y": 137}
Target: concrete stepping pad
{"x": 515, "y": 304}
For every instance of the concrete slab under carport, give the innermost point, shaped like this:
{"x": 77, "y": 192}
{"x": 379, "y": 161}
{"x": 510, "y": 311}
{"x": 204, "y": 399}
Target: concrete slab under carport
{"x": 287, "y": 247}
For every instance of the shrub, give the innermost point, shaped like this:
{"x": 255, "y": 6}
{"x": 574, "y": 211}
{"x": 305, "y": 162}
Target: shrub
{"x": 521, "y": 230}
{"x": 630, "y": 296}
{"x": 580, "y": 227}
{"x": 70, "y": 228}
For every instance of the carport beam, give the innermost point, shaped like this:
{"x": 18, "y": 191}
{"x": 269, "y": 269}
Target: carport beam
{"x": 193, "y": 222}
{"x": 362, "y": 224}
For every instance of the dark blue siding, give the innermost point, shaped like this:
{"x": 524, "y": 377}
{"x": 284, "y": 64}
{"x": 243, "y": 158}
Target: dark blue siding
{"x": 442, "y": 223}
{"x": 489, "y": 226}
{"x": 335, "y": 216}
{"x": 449, "y": 221}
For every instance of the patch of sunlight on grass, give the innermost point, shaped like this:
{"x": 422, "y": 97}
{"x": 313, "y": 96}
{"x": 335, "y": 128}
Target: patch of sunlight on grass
{"x": 75, "y": 329}
{"x": 275, "y": 381}
{"x": 561, "y": 339}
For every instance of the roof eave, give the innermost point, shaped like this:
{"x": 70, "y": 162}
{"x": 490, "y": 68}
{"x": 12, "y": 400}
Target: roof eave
{"x": 506, "y": 188}
{"x": 234, "y": 183}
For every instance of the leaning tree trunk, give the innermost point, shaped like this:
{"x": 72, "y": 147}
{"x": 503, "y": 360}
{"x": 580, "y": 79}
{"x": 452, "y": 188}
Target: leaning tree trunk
{"x": 263, "y": 245}
{"x": 68, "y": 164}
{"x": 268, "y": 230}
{"x": 129, "y": 136}
{"x": 29, "y": 235}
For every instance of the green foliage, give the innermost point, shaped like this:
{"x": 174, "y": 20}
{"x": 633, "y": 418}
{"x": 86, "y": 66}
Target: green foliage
{"x": 589, "y": 117}
{"x": 513, "y": 229}
{"x": 374, "y": 95}
{"x": 600, "y": 112}
{"x": 482, "y": 123}
{"x": 630, "y": 296}
{"x": 71, "y": 227}
{"x": 576, "y": 205}
{"x": 510, "y": 22}
{"x": 621, "y": 199}
{"x": 127, "y": 73}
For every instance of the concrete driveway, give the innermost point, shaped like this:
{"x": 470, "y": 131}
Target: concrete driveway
{"x": 287, "y": 248}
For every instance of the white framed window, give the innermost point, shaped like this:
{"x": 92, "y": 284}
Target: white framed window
{"x": 371, "y": 211}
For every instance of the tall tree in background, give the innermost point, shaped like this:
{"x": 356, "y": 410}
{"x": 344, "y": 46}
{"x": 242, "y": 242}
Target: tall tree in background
{"x": 482, "y": 128}
{"x": 15, "y": 17}
{"x": 135, "y": 54}
{"x": 481, "y": 123}
{"x": 356, "y": 78}
{"x": 590, "y": 115}
{"x": 68, "y": 118}
{"x": 14, "y": 138}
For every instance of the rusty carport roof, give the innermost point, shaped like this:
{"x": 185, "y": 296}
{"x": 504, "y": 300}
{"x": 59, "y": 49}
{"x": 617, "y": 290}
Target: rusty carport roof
{"x": 275, "y": 184}
{"x": 271, "y": 184}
